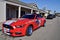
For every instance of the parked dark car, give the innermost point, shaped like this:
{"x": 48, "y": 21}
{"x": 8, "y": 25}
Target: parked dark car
{"x": 54, "y": 15}
{"x": 50, "y": 16}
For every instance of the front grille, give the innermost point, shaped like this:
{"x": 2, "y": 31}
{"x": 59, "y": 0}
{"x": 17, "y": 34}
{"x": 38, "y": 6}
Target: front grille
{"x": 7, "y": 26}
{"x": 17, "y": 33}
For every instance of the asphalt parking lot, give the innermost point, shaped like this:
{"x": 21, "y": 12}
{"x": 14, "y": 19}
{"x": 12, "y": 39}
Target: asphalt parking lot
{"x": 50, "y": 32}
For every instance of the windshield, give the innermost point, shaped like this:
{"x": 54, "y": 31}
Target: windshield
{"x": 28, "y": 16}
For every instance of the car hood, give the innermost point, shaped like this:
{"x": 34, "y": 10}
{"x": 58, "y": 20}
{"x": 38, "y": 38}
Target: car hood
{"x": 17, "y": 21}
{"x": 9, "y": 22}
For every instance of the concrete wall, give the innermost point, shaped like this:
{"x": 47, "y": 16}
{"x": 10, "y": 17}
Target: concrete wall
{"x": 2, "y": 11}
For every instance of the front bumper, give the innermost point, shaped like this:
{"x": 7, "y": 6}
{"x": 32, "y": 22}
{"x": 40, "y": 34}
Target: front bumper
{"x": 13, "y": 32}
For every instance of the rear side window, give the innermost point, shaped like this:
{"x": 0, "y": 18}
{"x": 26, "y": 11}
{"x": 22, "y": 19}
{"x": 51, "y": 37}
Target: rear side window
{"x": 38, "y": 15}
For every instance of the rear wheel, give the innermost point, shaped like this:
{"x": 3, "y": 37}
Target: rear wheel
{"x": 29, "y": 31}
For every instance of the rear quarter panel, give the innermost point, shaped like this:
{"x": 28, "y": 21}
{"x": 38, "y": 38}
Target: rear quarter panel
{"x": 42, "y": 21}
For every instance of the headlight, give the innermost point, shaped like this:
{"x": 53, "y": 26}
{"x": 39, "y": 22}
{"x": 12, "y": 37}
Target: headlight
{"x": 20, "y": 26}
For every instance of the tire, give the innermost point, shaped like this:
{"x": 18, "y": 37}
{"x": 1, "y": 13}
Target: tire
{"x": 29, "y": 31}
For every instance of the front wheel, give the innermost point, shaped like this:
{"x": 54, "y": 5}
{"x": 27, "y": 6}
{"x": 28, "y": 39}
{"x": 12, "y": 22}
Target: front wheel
{"x": 29, "y": 31}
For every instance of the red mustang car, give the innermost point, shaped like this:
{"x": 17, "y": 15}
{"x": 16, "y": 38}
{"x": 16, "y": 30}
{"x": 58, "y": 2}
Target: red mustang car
{"x": 24, "y": 25}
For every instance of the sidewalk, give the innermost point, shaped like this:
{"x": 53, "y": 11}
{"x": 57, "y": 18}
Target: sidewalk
{"x": 1, "y": 38}
{"x": 0, "y": 26}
